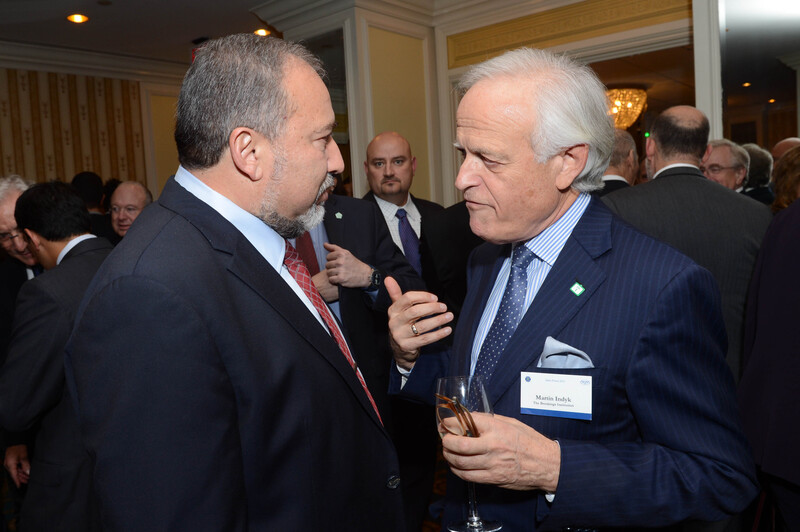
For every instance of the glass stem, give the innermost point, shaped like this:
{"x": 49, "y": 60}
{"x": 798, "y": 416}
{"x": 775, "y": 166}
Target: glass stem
{"x": 474, "y": 520}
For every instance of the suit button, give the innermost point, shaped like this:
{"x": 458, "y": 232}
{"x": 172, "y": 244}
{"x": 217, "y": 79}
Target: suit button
{"x": 393, "y": 482}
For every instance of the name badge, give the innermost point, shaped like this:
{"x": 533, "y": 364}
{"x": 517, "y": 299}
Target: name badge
{"x": 556, "y": 395}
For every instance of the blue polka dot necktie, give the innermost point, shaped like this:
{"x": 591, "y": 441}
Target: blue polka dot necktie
{"x": 409, "y": 239}
{"x": 508, "y": 315}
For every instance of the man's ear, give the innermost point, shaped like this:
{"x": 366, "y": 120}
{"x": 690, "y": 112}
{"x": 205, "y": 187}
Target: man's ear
{"x": 705, "y": 156}
{"x": 649, "y": 148}
{"x": 413, "y": 165}
{"x": 573, "y": 162}
{"x": 33, "y": 239}
{"x": 248, "y": 149}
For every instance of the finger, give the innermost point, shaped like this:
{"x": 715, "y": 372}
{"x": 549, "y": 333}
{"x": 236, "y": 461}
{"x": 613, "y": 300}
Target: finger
{"x": 431, "y": 323}
{"x": 414, "y": 343}
{"x": 393, "y": 288}
{"x": 330, "y": 247}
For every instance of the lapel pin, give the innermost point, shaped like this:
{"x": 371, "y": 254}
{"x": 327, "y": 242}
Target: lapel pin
{"x": 338, "y": 215}
{"x": 577, "y": 289}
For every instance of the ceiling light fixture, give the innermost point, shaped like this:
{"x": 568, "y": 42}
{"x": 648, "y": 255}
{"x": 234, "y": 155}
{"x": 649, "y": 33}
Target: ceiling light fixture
{"x": 626, "y": 105}
{"x": 77, "y": 18}
{"x": 771, "y": 100}
{"x": 746, "y": 84}
{"x": 262, "y": 32}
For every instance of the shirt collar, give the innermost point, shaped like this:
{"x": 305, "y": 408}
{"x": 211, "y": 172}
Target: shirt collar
{"x": 267, "y": 242}
{"x": 548, "y": 244}
{"x": 676, "y": 165}
{"x": 71, "y": 244}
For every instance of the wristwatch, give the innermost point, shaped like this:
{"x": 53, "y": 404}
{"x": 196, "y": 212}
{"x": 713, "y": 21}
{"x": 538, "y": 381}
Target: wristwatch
{"x": 375, "y": 280}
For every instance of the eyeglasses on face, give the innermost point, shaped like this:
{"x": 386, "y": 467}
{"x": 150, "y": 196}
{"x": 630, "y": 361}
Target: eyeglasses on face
{"x": 7, "y": 237}
{"x": 714, "y": 169}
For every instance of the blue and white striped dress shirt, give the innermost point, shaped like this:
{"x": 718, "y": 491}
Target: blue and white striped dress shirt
{"x": 547, "y": 245}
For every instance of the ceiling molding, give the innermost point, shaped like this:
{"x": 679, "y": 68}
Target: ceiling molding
{"x": 63, "y": 60}
{"x": 791, "y": 60}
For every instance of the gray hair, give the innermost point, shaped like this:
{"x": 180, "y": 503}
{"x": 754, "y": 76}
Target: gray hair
{"x": 12, "y": 182}
{"x": 740, "y": 155}
{"x": 623, "y": 145}
{"x": 234, "y": 81}
{"x": 760, "y": 165}
{"x": 570, "y": 103}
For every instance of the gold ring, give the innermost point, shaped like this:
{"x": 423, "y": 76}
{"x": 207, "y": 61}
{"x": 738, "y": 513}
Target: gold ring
{"x": 414, "y": 330}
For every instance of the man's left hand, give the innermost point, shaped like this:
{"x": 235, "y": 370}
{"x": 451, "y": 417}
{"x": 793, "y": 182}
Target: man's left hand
{"x": 344, "y": 269}
{"x": 508, "y": 454}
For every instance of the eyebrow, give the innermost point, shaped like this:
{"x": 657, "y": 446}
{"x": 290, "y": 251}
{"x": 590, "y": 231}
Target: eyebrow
{"x": 327, "y": 127}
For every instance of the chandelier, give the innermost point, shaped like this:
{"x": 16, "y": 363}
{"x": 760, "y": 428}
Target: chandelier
{"x": 626, "y": 105}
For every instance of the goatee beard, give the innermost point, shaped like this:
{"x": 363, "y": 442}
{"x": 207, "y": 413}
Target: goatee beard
{"x": 293, "y": 228}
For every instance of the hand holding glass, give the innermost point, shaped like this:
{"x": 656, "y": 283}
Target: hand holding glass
{"x": 456, "y": 397}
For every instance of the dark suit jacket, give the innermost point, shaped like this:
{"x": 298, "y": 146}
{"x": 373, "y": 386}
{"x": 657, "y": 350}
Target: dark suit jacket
{"x": 611, "y": 186}
{"x": 761, "y": 194}
{"x": 359, "y": 227}
{"x": 32, "y": 390}
{"x": 12, "y": 275}
{"x": 718, "y": 228}
{"x": 427, "y": 209}
{"x": 446, "y": 247}
{"x": 664, "y": 442}
{"x": 211, "y": 398}
{"x": 768, "y": 389}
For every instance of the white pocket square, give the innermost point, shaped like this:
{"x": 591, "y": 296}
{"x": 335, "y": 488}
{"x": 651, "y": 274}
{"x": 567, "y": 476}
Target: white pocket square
{"x": 558, "y": 355}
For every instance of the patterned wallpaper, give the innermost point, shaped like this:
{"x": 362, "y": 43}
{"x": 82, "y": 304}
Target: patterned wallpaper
{"x": 53, "y": 126}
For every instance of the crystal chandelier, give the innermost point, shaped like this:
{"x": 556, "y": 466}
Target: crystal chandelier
{"x": 626, "y": 105}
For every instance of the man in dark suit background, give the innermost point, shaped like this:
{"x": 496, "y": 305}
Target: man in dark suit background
{"x": 57, "y": 228}
{"x": 390, "y": 169}
{"x": 215, "y": 389}
{"x": 759, "y": 174}
{"x": 17, "y": 265}
{"x": 353, "y": 253}
{"x": 716, "y": 227}
{"x": 623, "y": 166}
{"x": 566, "y": 296}
{"x": 16, "y": 260}
{"x": 768, "y": 390}
{"x": 89, "y": 187}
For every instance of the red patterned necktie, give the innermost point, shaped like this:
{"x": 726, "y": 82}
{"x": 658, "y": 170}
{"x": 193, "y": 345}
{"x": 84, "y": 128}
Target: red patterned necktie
{"x": 305, "y": 248}
{"x": 300, "y": 273}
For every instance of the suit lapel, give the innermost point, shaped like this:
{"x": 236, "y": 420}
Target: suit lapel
{"x": 334, "y": 225}
{"x": 250, "y": 267}
{"x": 486, "y": 264}
{"x": 555, "y": 303}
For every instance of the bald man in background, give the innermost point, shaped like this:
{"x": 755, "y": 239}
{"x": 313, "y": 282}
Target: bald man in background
{"x": 127, "y": 202}
{"x": 782, "y": 146}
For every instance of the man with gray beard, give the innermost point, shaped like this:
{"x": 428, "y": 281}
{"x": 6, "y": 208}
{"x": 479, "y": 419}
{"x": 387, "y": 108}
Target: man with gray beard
{"x": 215, "y": 389}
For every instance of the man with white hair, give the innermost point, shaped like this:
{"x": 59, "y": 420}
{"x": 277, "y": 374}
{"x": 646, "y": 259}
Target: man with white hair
{"x": 726, "y": 163}
{"x": 602, "y": 349}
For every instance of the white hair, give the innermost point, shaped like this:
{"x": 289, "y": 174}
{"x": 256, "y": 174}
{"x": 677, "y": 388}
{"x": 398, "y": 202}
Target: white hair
{"x": 570, "y": 103}
{"x": 12, "y": 182}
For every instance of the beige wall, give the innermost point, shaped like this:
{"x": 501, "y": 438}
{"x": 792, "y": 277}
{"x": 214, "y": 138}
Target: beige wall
{"x": 397, "y": 72}
{"x": 162, "y": 109}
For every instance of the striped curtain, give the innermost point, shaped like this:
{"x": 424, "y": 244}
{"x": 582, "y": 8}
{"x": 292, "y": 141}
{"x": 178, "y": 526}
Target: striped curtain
{"x": 53, "y": 126}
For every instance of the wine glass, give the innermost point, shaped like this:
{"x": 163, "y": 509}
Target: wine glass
{"x": 456, "y": 397}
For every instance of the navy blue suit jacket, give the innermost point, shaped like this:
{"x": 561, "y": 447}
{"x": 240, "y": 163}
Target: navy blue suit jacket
{"x": 664, "y": 444}
{"x": 211, "y": 398}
